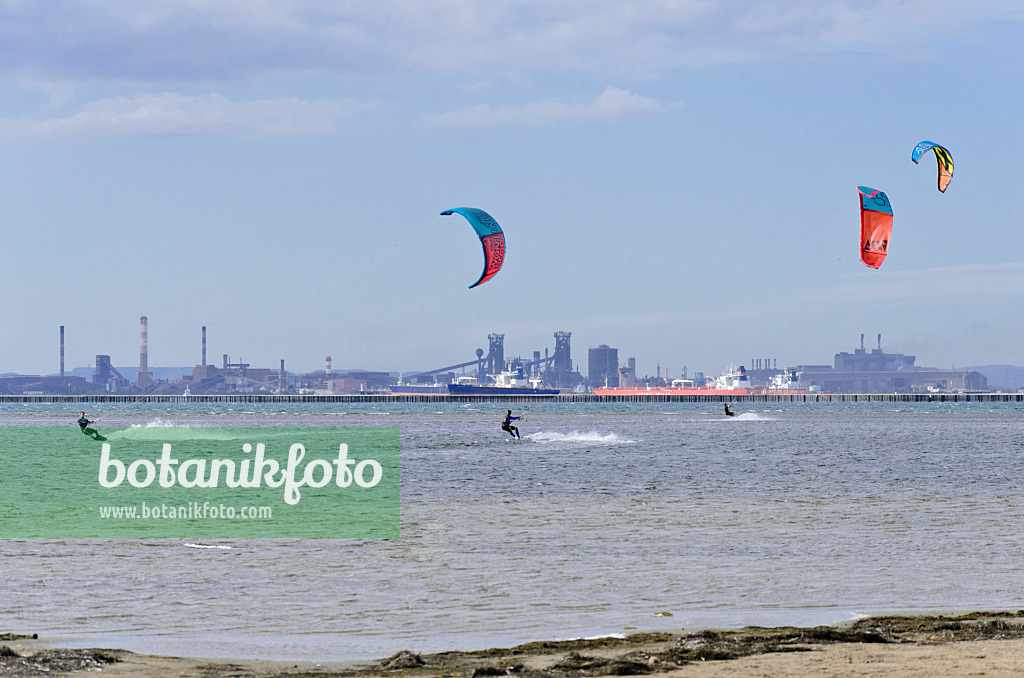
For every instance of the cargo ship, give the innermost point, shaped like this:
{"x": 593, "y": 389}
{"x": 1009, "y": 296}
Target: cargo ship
{"x": 419, "y": 389}
{"x": 733, "y": 382}
{"x": 786, "y": 382}
{"x": 509, "y": 382}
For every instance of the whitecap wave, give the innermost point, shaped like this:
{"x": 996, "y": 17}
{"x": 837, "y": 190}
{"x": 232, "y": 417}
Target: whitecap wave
{"x": 745, "y": 416}
{"x": 154, "y": 431}
{"x": 208, "y": 546}
{"x": 593, "y": 437}
{"x": 752, "y": 416}
{"x": 156, "y": 423}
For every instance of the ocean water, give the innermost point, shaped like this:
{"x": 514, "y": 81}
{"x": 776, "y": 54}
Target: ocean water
{"x": 604, "y": 518}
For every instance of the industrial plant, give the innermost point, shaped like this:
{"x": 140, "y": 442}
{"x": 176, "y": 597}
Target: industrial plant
{"x": 544, "y": 368}
{"x": 237, "y": 376}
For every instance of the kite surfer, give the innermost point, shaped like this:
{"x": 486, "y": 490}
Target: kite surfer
{"x": 83, "y": 423}
{"x": 728, "y": 412}
{"x": 507, "y": 425}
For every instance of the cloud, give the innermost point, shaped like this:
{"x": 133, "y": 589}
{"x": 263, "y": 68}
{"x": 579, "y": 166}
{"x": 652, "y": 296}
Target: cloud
{"x": 170, "y": 114}
{"x": 190, "y": 41}
{"x": 611, "y": 104}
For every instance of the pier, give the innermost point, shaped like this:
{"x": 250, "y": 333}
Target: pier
{"x": 526, "y": 398}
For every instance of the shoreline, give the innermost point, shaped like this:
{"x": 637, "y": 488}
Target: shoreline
{"x": 991, "y": 643}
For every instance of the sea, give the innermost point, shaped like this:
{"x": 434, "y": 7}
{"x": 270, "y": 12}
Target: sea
{"x": 603, "y": 519}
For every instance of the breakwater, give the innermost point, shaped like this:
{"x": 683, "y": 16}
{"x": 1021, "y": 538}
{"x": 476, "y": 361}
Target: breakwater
{"x": 526, "y": 398}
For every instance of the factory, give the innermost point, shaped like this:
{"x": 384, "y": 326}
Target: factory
{"x": 236, "y": 376}
{"x": 553, "y": 370}
{"x": 881, "y": 372}
{"x": 858, "y": 372}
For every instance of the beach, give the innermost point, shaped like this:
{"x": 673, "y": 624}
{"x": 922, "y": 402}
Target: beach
{"x": 979, "y": 643}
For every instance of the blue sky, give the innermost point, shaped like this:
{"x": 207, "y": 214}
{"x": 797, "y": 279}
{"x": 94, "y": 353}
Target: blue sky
{"x": 675, "y": 178}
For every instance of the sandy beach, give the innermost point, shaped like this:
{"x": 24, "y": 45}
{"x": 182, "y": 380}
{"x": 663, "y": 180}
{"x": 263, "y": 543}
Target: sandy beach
{"x": 980, "y": 643}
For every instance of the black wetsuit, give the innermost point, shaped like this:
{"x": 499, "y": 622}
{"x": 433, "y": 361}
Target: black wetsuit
{"x": 507, "y": 426}
{"x": 728, "y": 412}
{"x": 83, "y": 423}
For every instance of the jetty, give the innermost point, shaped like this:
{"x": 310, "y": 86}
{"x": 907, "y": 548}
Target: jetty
{"x": 253, "y": 398}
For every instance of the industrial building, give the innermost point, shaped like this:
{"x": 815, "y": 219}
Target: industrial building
{"x": 603, "y": 366}
{"x": 860, "y": 371}
{"x": 881, "y": 372}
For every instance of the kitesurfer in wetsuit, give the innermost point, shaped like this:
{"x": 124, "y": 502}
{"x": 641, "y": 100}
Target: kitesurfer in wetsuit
{"x": 728, "y": 412}
{"x": 83, "y": 423}
{"x": 507, "y": 425}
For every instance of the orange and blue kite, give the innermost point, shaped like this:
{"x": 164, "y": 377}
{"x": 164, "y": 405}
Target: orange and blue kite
{"x": 875, "y": 226}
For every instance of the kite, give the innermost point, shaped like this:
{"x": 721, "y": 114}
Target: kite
{"x": 491, "y": 237}
{"x": 875, "y": 226}
{"x": 942, "y": 157}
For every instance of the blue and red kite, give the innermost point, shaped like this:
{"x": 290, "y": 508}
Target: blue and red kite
{"x": 491, "y": 237}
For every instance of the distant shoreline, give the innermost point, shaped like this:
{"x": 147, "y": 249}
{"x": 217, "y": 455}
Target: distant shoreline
{"x": 979, "y": 643}
{"x": 526, "y": 398}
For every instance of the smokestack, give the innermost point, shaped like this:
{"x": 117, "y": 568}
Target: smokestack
{"x": 61, "y": 350}
{"x": 145, "y": 377}
{"x": 327, "y": 369}
{"x": 879, "y": 341}
{"x": 143, "y": 344}
{"x": 225, "y": 361}
{"x": 204, "y": 345}
{"x": 862, "y": 341}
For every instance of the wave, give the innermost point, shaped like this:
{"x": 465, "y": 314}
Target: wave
{"x": 208, "y": 546}
{"x": 156, "y": 423}
{"x": 745, "y": 416}
{"x": 165, "y": 431}
{"x": 592, "y": 437}
{"x": 752, "y": 416}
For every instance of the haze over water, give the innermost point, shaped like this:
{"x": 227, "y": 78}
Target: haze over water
{"x": 600, "y": 519}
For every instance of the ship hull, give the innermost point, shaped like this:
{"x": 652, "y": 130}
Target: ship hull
{"x": 669, "y": 391}
{"x": 467, "y": 389}
{"x": 415, "y": 389}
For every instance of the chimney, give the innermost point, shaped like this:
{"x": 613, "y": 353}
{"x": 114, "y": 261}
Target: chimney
{"x": 143, "y": 344}
{"x": 879, "y": 341}
{"x": 862, "y": 341}
{"x": 62, "y": 351}
{"x": 225, "y": 361}
{"x": 145, "y": 377}
{"x": 204, "y": 345}
{"x": 327, "y": 369}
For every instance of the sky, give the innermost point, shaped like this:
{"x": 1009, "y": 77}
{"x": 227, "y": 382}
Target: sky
{"x": 675, "y": 178}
